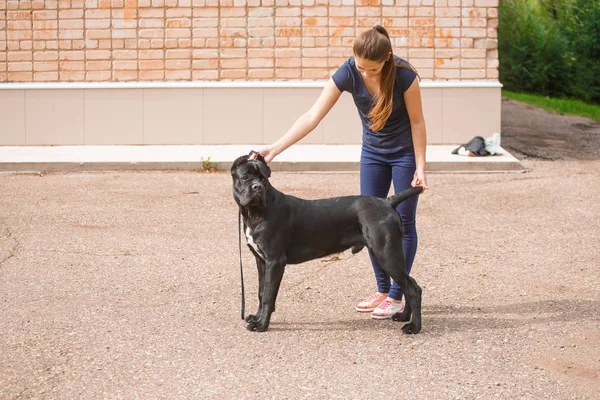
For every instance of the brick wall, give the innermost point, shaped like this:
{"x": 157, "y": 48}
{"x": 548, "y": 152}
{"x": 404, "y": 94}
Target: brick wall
{"x": 164, "y": 40}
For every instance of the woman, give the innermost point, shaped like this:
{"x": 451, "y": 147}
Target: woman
{"x": 388, "y": 98}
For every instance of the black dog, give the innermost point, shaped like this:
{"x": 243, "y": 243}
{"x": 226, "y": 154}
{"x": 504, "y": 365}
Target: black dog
{"x": 283, "y": 229}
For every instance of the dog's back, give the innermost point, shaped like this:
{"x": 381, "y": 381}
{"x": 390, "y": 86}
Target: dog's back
{"x": 329, "y": 226}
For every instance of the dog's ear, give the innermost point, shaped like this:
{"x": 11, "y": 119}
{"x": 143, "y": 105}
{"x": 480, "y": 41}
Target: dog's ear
{"x": 263, "y": 167}
{"x": 238, "y": 161}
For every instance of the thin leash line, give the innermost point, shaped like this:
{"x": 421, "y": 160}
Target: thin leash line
{"x": 241, "y": 269}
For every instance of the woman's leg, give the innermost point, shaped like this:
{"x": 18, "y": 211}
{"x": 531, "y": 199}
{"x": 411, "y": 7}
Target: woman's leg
{"x": 403, "y": 171}
{"x": 375, "y": 180}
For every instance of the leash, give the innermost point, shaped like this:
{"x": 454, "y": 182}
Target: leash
{"x": 241, "y": 269}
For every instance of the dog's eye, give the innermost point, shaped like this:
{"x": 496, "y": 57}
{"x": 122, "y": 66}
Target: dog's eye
{"x": 244, "y": 177}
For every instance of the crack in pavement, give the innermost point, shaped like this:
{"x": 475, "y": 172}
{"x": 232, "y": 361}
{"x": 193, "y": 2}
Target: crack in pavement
{"x": 8, "y": 237}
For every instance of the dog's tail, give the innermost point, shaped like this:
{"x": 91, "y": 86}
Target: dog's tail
{"x": 403, "y": 195}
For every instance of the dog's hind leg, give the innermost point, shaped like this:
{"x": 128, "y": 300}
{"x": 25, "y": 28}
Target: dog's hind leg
{"x": 273, "y": 274}
{"x": 390, "y": 256}
{"x": 412, "y": 309}
{"x": 260, "y": 265}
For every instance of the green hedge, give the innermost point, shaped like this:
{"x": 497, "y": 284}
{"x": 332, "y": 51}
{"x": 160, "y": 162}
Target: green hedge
{"x": 550, "y": 47}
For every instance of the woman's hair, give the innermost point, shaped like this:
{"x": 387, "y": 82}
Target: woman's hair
{"x": 375, "y": 45}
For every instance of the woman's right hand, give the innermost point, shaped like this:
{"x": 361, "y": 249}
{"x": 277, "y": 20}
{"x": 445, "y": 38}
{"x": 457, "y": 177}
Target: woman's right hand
{"x": 269, "y": 153}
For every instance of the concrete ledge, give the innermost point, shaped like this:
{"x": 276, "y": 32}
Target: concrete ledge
{"x": 466, "y": 83}
{"x": 296, "y": 158}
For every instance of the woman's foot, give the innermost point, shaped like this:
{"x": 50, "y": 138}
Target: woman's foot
{"x": 387, "y": 308}
{"x": 371, "y": 303}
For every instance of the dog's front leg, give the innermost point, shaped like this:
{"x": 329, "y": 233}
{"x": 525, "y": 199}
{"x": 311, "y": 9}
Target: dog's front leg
{"x": 260, "y": 265}
{"x": 272, "y": 280}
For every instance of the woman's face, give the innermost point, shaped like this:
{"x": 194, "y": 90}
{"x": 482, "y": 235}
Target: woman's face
{"x": 368, "y": 68}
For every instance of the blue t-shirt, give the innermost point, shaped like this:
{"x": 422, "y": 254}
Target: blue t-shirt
{"x": 396, "y": 135}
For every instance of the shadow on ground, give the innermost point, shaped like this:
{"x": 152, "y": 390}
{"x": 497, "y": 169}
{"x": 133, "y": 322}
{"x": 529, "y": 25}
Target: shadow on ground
{"x": 530, "y": 132}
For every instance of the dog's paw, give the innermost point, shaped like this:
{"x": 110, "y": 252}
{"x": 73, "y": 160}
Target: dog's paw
{"x": 251, "y": 318}
{"x": 256, "y": 326}
{"x": 402, "y": 316}
{"x": 411, "y": 329}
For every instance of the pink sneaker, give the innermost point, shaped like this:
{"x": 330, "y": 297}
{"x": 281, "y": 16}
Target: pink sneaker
{"x": 386, "y": 309}
{"x": 371, "y": 303}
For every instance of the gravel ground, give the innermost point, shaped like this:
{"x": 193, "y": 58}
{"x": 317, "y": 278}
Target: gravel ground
{"x": 126, "y": 286}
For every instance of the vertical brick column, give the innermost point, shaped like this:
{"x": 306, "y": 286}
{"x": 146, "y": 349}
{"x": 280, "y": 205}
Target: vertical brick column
{"x": 421, "y": 35}
{"x": 98, "y": 40}
{"x": 288, "y": 39}
{"x": 447, "y": 42}
{"x": 71, "y": 41}
{"x": 45, "y": 42}
{"x": 124, "y": 23}
{"x": 341, "y": 34}
{"x": 233, "y": 39}
{"x": 3, "y": 53}
{"x": 19, "y": 41}
{"x": 178, "y": 40}
{"x": 261, "y": 39}
{"x": 151, "y": 41}
{"x": 395, "y": 20}
{"x": 313, "y": 49}
{"x": 476, "y": 41}
{"x": 205, "y": 33}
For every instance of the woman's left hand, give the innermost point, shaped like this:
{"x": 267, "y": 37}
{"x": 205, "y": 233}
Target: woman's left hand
{"x": 420, "y": 179}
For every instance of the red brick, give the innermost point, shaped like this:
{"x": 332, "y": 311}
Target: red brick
{"x": 125, "y": 65}
{"x": 45, "y": 56}
{"x": 151, "y": 54}
{"x": 98, "y": 54}
{"x": 125, "y": 75}
{"x": 152, "y": 75}
{"x": 20, "y": 56}
{"x": 17, "y": 25}
{"x": 95, "y": 76}
{"x": 152, "y": 64}
{"x": 72, "y": 55}
{"x": 72, "y": 66}
{"x": 47, "y": 76}
{"x": 178, "y": 74}
{"x": 70, "y": 14}
{"x": 20, "y": 76}
{"x": 288, "y": 73}
{"x": 205, "y": 64}
{"x": 124, "y": 54}
{"x": 173, "y": 54}
{"x": 178, "y": 64}
{"x": 261, "y": 73}
{"x": 315, "y": 73}
{"x": 233, "y": 63}
{"x": 20, "y": 66}
{"x": 205, "y": 75}
{"x": 233, "y": 74}
{"x": 98, "y": 65}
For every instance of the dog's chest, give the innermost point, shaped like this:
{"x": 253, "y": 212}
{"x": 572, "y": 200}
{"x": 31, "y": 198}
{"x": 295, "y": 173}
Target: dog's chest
{"x": 253, "y": 244}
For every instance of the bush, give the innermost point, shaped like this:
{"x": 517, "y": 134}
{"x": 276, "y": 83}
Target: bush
{"x": 550, "y": 47}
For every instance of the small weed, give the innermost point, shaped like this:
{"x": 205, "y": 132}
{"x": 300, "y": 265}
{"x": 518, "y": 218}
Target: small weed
{"x": 207, "y": 166}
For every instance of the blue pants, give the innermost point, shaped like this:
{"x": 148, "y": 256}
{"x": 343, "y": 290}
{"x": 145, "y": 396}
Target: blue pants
{"x": 377, "y": 171}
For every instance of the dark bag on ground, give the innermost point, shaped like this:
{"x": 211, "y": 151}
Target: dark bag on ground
{"x": 475, "y": 146}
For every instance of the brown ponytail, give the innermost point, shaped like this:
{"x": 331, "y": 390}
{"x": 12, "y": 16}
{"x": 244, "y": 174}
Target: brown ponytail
{"x": 375, "y": 45}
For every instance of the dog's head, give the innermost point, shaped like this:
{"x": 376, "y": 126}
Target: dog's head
{"x": 250, "y": 180}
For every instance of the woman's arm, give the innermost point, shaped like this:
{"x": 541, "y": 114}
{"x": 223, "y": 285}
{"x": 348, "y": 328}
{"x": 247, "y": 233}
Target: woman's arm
{"x": 412, "y": 99}
{"x": 306, "y": 123}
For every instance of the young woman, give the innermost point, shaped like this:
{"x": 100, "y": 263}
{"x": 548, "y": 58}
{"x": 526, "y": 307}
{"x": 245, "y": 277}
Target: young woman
{"x": 388, "y": 98}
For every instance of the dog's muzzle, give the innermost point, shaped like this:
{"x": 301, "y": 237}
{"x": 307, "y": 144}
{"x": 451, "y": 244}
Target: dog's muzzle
{"x": 254, "y": 196}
